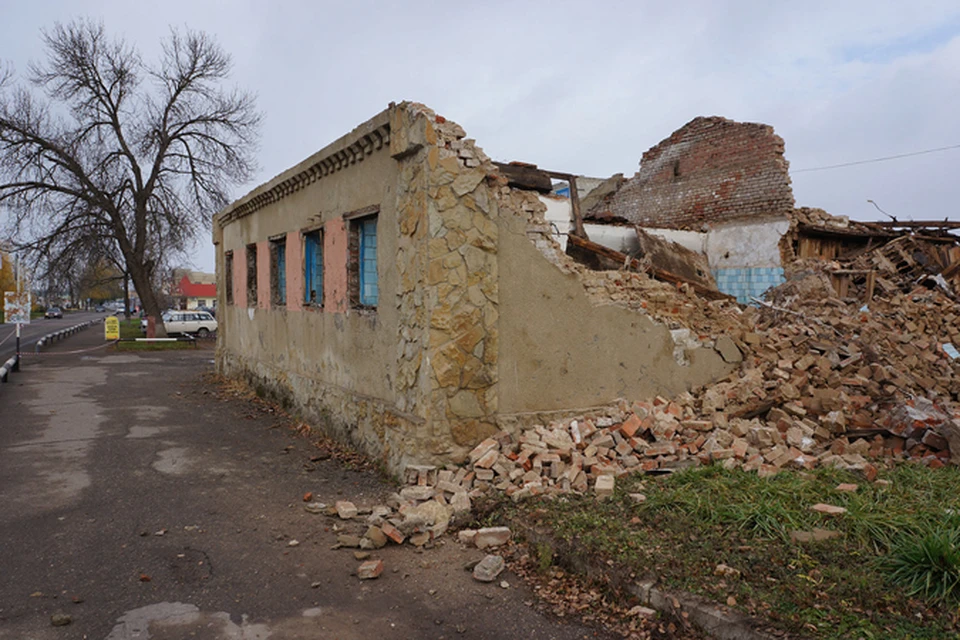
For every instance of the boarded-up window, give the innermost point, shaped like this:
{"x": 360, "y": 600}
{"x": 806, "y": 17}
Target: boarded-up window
{"x": 228, "y": 276}
{"x": 251, "y": 275}
{"x": 278, "y": 271}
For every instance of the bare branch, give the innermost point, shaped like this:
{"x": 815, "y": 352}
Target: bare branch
{"x": 103, "y": 154}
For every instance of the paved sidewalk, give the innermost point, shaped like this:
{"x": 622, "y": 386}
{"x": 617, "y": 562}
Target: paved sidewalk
{"x": 142, "y": 504}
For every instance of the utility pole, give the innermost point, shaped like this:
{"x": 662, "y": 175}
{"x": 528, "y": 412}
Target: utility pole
{"x": 16, "y": 273}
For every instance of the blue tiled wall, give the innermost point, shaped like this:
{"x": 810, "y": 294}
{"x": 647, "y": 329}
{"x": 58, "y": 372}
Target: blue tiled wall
{"x": 746, "y": 282}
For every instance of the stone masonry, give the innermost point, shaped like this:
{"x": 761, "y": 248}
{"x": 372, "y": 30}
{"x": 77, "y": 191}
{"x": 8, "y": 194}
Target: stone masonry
{"x": 447, "y": 260}
{"x": 710, "y": 170}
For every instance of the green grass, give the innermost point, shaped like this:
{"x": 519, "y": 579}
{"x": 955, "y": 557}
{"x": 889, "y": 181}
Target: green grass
{"x": 927, "y": 566}
{"x": 893, "y": 573}
{"x": 130, "y": 329}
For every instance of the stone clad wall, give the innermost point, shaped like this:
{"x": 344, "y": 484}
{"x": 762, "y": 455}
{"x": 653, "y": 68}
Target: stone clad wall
{"x": 710, "y": 170}
{"x": 449, "y": 280}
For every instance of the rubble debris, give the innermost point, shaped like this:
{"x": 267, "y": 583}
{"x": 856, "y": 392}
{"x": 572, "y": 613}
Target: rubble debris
{"x": 675, "y": 259}
{"x": 60, "y": 619}
{"x": 375, "y": 537}
{"x": 726, "y": 571}
{"x": 523, "y": 175}
{"x": 603, "y": 486}
{"x": 370, "y": 569}
{"x": 492, "y": 537}
{"x": 817, "y": 535}
{"x": 345, "y": 509}
{"x": 599, "y": 258}
{"x": 348, "y": 541}
{"x": 828, "y": 509}
{"x": 488, "y": 569}
{"x": 420, "y": 539}
{"x": 856, "y": 381}
{"x": 728, "y": 350}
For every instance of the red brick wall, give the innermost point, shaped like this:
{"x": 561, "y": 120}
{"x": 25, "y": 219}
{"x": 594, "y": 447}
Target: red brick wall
{"x": 710, "y": 170}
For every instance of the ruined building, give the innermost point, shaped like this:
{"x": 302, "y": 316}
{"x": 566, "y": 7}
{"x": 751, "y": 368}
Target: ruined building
{"x": 415, "y": 297}
{"x": 396, "y": 288}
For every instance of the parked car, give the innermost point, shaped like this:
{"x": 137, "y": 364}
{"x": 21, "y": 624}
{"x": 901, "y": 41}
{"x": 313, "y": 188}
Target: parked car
{"x": 53, "y": 312}
{"x": 190, "y": 322}
{"x": 100, "y": 308}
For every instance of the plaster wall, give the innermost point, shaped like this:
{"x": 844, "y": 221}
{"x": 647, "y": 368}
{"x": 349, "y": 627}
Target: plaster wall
{"x": 294, "y": 271}
{"x": 692, "y": 240}
{"x": 350, "y": 350}
{"x": 559, "y": 349}
{"x": 559, "y": 215}
{"x": 239, "y": 277}
{"x": 745, "y": 256}
{"x": 263, "y": 275}
{"x": 335, "y": 254}
{"x": 617, "y": 237}
{"x": 746, "y": 244}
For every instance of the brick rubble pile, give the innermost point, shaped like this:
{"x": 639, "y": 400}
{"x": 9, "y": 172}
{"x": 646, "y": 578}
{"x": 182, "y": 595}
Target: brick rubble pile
{"x": 822, "y": 381}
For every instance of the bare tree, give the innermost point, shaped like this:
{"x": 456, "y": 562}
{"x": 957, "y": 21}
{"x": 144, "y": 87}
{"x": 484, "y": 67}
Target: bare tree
{"x": 101, "y": 148}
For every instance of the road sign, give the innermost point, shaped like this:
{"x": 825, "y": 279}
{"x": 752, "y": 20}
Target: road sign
{"x": 111, "y": 328}
{"x": 16, "y": 307}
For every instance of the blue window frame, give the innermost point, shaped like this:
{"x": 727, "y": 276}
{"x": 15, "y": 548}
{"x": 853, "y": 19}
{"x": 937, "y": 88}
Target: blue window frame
{"x": 313, "y": 268}
{"x": 369, "y": 293}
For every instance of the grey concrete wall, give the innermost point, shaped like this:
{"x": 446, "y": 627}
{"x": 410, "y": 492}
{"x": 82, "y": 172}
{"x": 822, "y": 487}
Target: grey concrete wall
{"x": 559, "y": 349}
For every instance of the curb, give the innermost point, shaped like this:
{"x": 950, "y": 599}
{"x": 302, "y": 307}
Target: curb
{"x": 63, "y": 333}
{"x": 11, "y": 365}
{"x": 704, "y": 614}
{"x": 7, "y": 367}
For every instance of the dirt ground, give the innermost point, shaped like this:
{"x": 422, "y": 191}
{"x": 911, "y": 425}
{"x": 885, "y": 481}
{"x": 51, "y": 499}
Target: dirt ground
{"x": 141, "y": 500}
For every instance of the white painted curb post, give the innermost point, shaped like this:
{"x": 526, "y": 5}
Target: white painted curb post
{"x": 16, "y": 363}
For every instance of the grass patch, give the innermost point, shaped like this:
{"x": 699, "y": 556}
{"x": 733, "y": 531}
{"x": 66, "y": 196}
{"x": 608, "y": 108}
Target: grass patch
{"x": 928, "y": 566}
{"x": 894, "y": 572}
{"x": 130, "y": 329}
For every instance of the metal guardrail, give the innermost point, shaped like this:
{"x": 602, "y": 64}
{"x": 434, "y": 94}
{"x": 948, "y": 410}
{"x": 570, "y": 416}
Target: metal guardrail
{"x": 13, "y": 364}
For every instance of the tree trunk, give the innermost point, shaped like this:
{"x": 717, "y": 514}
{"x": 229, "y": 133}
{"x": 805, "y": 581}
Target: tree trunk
{"x": 148, "y": 297}
{"x": 126, "y": 294}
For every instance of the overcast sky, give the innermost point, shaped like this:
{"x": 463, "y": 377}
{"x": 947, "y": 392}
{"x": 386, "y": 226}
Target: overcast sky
{"x": 587, "y": 87}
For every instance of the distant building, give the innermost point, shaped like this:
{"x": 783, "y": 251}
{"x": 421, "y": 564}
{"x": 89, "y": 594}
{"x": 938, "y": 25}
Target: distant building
{"x": 195, "y": 289}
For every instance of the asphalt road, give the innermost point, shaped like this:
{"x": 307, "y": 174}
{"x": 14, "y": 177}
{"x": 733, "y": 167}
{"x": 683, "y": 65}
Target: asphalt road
{"x": 144, "y": 501}
{"x": 30, "y": 333}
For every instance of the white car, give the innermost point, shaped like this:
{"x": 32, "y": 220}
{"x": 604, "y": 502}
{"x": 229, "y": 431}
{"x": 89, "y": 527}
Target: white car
{"x": 200, "y": 323}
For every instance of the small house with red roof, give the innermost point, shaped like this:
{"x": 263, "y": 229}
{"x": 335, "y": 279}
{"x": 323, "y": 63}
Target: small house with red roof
{"x": 195, "y": 289}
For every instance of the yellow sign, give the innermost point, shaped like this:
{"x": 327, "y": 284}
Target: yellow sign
{"x": 111, "y": 327}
